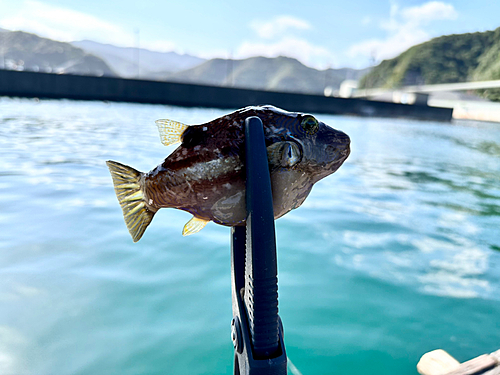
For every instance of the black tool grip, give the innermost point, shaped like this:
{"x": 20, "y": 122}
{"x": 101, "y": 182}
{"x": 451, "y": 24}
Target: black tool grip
{"x": 256, "y": 329}
{"x": 261, "y": 282}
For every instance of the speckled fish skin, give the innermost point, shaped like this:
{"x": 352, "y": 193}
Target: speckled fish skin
{"x": 205, "y": 175}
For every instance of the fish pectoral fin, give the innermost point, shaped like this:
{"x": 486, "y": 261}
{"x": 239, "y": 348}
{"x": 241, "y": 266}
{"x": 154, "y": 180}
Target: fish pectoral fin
{"x": 284, "y": 154}
{"x": 194, "y": 225}
{"x": 170, "y": 131}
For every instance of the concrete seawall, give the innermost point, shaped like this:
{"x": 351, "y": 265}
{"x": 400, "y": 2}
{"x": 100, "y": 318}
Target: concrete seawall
{"x": 60, "y": 86}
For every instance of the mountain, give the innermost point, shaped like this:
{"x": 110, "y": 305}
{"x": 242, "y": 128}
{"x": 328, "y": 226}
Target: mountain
{"x": 447, "y": 59}
{"x": 152, "y": 65}
{"x": 24, "y": 51}
{"x": 276, "y": 74}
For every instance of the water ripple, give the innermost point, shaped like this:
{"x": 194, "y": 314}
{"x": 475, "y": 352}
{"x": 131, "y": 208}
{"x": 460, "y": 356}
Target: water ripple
{"x": 401, "y": 242}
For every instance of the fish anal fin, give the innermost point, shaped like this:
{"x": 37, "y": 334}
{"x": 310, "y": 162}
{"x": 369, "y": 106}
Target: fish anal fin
{"x": 170, "y": 131}
{"x": 194, "y": 225}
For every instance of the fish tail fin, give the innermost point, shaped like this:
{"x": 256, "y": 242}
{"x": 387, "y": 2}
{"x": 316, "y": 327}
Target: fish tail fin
{"x": 129, "y": 193}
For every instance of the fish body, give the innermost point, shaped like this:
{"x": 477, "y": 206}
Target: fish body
{"x": 205, "y": 175}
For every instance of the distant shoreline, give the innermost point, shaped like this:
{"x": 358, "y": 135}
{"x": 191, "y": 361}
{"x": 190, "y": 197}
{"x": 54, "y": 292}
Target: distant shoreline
{"x": 79, "y": 87}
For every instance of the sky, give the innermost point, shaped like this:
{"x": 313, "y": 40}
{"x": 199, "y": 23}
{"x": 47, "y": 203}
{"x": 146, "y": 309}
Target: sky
{"x": 319, "y": 33}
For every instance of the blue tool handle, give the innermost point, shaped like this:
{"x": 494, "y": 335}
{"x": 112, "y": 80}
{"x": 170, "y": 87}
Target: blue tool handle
{"x": 256, "y": 328}
{"x": 261, "y": 281}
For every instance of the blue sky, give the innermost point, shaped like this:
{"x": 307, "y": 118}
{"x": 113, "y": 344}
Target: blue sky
{"x": 320, "y": 33}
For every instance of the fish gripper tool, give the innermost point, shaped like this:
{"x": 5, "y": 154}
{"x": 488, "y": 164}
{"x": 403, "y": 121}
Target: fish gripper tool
{"x": 256, "y": 328}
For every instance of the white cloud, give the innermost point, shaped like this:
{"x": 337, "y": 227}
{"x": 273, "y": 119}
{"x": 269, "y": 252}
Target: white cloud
{"x": 390, "y": 47}
{"x": 67, "y": 25}
{"x": 62, "y": 24}
{"x": 278, "y": 26}
{"x": 280, "y": 36}
{"x": 431, "y": 11}
{"x": 405, "y": 27}
{"x": 298, "y": 48}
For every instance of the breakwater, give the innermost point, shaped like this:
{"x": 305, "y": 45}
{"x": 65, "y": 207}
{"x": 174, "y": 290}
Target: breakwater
{"x": 65, "y": 86}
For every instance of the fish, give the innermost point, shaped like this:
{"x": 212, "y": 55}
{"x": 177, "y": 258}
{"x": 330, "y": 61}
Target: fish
{"x": 205, "y": 175}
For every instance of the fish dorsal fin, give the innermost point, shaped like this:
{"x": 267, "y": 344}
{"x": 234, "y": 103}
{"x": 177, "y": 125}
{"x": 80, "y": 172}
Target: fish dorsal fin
{"x": 194, "y": 225}
{"x": 170, "y": 131}
{"x": 284, "y": 154}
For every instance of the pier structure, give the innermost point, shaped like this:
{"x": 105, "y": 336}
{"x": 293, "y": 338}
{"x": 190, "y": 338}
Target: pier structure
{"x": 468, "y": 107}
{"x": 66, "y": 86}
{"x": 428, "y": 89}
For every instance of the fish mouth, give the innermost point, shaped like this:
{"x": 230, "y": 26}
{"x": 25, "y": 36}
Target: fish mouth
{"x": 343, "y": 155}
{"x": 339, "y": 147}
{"x": 338, "y": 150}
{"x": 339, "y": 158}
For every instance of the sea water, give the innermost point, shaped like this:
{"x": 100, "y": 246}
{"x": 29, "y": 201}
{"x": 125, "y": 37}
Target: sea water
{"x": 396, "y": 254}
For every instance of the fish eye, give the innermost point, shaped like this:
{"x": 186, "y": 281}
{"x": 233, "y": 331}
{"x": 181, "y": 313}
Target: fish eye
{"x": 310, "y": 125}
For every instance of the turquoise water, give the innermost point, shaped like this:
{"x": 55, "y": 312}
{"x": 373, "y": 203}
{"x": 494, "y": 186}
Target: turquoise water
{"x": 396, "y": 254}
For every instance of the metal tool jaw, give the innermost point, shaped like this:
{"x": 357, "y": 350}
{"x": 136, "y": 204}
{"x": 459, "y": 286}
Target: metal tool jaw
{"x": 256, "y": 329}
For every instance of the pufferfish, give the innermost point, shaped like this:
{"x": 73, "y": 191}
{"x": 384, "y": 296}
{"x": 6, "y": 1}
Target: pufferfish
{"x": 205, "y": 175}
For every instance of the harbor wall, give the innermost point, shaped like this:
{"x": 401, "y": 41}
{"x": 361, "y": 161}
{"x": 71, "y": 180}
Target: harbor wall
{"x": 65, "y": 86}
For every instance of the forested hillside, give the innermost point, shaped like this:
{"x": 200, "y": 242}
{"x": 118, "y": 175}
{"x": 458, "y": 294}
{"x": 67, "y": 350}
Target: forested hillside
{"x": 447, "y": 59}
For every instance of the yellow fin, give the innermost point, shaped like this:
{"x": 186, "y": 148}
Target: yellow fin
{"x": 194, "y": 225}
{"x": 170, "y": 131}
{"x": 131, "y": 198}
